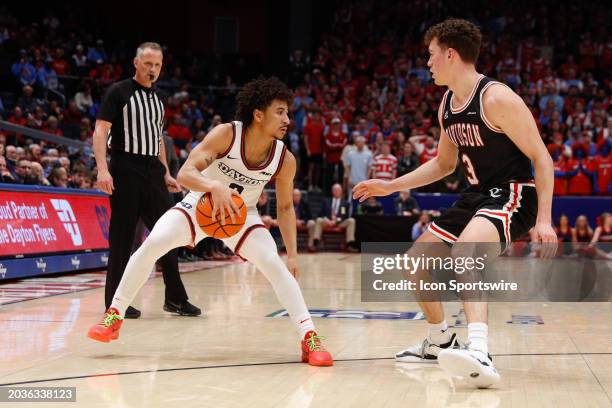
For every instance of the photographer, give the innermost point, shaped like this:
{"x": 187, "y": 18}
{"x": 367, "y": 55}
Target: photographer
{"x": 421, "y": 226}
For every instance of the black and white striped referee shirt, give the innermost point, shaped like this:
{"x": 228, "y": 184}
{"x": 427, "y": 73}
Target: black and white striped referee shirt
{"x": 137, "y": 117}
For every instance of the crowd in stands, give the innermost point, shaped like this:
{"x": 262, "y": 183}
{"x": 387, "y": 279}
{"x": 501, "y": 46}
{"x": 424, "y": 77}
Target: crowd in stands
{"x": 365, "y": 105}
{"x": 367, "y": 80}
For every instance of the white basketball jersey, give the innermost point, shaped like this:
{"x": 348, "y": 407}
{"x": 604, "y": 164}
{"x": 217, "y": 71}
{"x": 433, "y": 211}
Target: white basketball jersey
{"x": 232, "y": 170}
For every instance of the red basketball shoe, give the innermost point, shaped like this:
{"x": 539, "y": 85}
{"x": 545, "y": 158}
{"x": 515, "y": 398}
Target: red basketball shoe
{"x": 313, "y": 352}
{"x": 108, "y": 328}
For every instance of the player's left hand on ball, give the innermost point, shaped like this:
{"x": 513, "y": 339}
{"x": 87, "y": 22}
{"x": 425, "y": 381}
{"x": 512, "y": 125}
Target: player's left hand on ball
{"x": 293, "y": 267}
{"x": 172, "y": 184}
{"x": 546, "y": 234}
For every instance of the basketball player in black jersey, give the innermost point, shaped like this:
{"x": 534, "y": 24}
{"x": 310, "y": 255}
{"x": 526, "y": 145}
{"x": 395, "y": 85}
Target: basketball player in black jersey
{"x": 491, "y": 131}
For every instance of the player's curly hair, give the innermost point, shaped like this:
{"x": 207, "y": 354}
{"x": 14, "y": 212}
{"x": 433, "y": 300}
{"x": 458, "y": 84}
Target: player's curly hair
{"x": 461, "y": 35}
{"x": 259, "y": 94}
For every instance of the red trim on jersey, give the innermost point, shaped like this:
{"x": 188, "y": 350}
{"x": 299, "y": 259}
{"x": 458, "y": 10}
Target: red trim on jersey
{"x": 225, "y": 153}
{"x": 505, "y": 221}
{"x": 280, "y": 161}
{"x": 440, "y": 231}
{"x": 243, "y": 237}
{"x": 243, "y": 155}
{"x": 191, "y": 227}
{"x": 514, "y": 202}
{"x": 465, "y": 105}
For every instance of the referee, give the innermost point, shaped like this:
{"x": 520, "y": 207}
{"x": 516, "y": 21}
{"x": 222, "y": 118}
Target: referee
{"x": 138, "y": 180}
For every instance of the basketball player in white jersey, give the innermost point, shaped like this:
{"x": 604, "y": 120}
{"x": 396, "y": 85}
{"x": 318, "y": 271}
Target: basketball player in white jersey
{"x": 489, "y": 127}
{"x": 234, "y": 158}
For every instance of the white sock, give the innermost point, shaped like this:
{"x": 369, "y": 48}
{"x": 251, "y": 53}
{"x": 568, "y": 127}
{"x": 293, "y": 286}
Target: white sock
{"x": 477, "y": 336}
{"x": 438, "y": 332}
{"x": 171, "y": 231}
{"x": 259, "y": 249}
{"x": 304, "y": 324}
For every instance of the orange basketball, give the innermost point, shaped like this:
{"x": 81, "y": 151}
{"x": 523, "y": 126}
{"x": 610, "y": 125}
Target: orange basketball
{"x": 212, "y": 227}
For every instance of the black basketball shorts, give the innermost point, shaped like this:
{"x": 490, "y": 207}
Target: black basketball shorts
{"x": 512, "y": 207}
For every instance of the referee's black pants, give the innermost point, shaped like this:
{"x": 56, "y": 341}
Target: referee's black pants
{"x": 140, "y": 193}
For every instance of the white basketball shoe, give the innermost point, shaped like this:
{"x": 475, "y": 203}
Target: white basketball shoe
{"x": 475, "y": 366}
{"x": 426, "y": 352}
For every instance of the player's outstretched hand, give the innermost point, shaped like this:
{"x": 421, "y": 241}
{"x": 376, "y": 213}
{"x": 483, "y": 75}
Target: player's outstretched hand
{"x": 222, "y": 201}
{"x": 548, "y": 237}
{"x": 371, "y": 188}
{"x": 293, "y": 267}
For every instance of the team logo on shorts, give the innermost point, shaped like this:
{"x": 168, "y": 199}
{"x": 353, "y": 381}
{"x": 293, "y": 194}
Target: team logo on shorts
{"x": 495, "y": 192}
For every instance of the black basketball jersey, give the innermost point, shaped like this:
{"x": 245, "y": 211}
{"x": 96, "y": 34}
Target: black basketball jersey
{"x": 488, "y": 155}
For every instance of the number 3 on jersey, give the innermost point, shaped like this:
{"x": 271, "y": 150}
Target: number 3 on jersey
{"x": 469, "y": 167}
{"x": 236, "y": 187}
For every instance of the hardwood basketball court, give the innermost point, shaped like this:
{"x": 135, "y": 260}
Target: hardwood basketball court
{"x": 550, "y": 355}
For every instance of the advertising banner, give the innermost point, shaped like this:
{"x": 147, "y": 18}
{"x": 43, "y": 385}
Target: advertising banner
{"x": 54, "y": 227}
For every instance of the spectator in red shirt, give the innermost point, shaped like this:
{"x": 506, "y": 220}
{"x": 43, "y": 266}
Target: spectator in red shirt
{"x": 420, "y": 123}
{"x": 384, "y": 165}
{"x": 537, "y": 67}
{"x": 382, "y": 70}
{"x": 606, "y": 53}
{"x": 72, "y": 115}
{"x": 588, "y": 53}
{"x": 51, "y": 126}
{"x": 313, "y": 141}
{"x": 60, "y": 65}
{"x": 580, "y": 173}
{"x": 572, "y": 97}
{"x": 413, "y": 95}
{"x": 17, "y": 117}
{"x": 603, "y": 173}
{"x": 527, "y": 51}
{"x": 430, "y": 150}
{"x": 560, "y": 168}
{"x": 349, "y": 86}
{"x": 397, "y": 146}
{"x": 335, "y": 141}
{"x": 172, "y": 107}
{"x": 179, "y": 132}
{"x": 556, "y": 146}
{"x": 569, "y": 64}
{"x": 584, "y": 147}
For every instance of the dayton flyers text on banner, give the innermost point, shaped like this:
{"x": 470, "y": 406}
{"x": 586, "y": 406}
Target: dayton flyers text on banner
{"x": 36, "y": 222}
